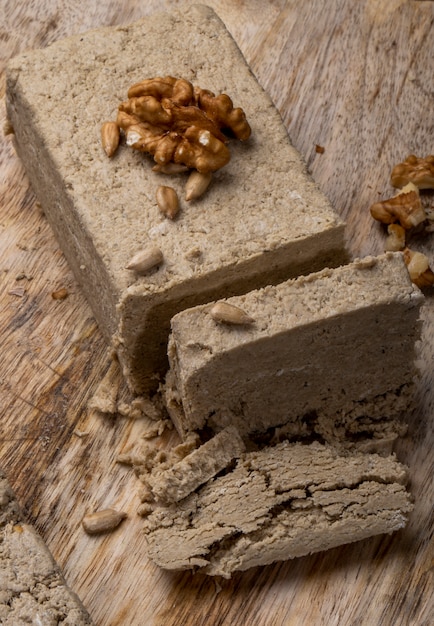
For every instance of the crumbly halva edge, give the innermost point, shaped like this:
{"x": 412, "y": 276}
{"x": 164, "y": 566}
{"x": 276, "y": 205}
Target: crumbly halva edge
{"x": 103, "y": 210}
{"x": 297, "y": 326}
{"x": 32, "y": 586}
{"x": 176, "y": 482}
{"x": 280, "y": 503}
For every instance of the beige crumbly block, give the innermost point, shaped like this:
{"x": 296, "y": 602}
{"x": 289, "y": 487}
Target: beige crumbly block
{"x": 277, "y": 504}
{"x": 176, "y": 482}
{"x": 331, "y": 354}
{"x": 104, "y": 400}
{"x": 261, "y": 221}
{"x": 32, "y": 588}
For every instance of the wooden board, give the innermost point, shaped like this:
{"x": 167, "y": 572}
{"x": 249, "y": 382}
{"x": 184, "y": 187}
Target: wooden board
{"x": 354, "y": 76}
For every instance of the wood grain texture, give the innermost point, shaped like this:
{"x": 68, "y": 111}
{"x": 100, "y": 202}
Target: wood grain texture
{"x": 354, "y": 76}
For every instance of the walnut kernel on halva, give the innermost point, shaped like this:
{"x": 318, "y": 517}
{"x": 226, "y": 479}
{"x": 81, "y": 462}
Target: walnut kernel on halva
{"x": 177, "y": 123}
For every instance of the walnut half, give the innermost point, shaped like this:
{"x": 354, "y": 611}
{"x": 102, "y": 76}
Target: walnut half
{"x": 405, "y": 208}
{"x": 416, "y": 170}
{"x": 418, "y": 267}
{"x": 178, "y": 123}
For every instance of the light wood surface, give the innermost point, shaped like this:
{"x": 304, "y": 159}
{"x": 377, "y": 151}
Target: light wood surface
{"x": 354, "y": 76}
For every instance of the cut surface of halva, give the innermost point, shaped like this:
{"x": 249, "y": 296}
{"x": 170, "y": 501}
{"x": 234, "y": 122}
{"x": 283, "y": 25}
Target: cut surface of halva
{"x": 330, "y": 355}
{"x": 279, "y": 503}
{"x": 261, "y": 221}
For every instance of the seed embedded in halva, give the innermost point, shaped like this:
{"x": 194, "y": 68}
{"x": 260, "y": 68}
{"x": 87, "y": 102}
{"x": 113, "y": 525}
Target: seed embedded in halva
{"x": 230, "y": 314}
{"x": 145, "y": 260}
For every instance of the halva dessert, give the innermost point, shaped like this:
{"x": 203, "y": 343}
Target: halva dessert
{"x": 279, "y": 503}
{"x": 183, "y": 477}
{"x": 32, "y": 587}
{"x": 168, "y": 177}
{"x": 260, "y": 221}
{"x": 330, "y": 355}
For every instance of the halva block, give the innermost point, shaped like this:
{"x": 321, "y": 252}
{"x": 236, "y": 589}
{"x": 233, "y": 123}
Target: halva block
{"x": 330, "y": 355}
{"x": 261, "y": 220}
{"x": 32, "y": 587}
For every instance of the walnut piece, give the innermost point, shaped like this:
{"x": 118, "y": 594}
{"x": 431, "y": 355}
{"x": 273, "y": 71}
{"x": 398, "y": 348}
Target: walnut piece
{"x": 178, "y": 123}
{"x": 416, "y": 170}
{"x": 418, "y": 267}
{"x": 405, "y": 208}
{"x": 395, "y": 240}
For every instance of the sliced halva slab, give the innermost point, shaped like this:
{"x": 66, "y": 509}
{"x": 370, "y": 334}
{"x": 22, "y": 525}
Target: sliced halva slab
{"x": 280, "y": 503}
{"x": 32, "y": 587}
{"x": 261, "y": 221}
{"x": 330, "y": 355}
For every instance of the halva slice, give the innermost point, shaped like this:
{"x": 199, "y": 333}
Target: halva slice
{"x": 183, "y": 477}
{"x": 261, "y": 220}
{"x": 32, "y": 588}
{"x": 280, "y": 503}
{"x": 330, "y": 355}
